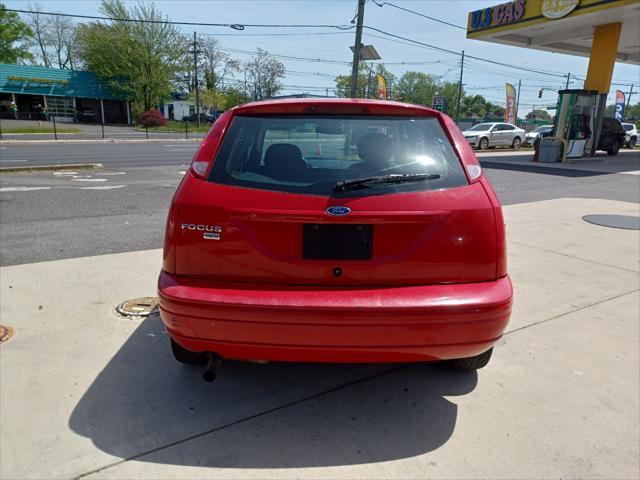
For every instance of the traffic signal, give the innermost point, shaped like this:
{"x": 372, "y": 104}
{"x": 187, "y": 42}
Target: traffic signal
{"x": 540, "y": 93}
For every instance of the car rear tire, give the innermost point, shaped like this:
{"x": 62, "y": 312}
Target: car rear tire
{"x": 484, "y": 144}
{"x": 471, "y": 363}
{"x": 183, "y": 355}
{"x": 516, "y": 143}
{"x": 632, "y": 142}
{"x": 613, "y": 149}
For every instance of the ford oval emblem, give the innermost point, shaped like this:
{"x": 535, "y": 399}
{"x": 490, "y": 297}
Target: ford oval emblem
{"x": 338, "y": 211}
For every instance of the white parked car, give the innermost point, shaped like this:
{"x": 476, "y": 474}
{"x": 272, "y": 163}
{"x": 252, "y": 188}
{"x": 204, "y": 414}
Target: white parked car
{"x": 485, "y": 135}
{"x": 531, "y": 136}
{"x": 631, "y": 137}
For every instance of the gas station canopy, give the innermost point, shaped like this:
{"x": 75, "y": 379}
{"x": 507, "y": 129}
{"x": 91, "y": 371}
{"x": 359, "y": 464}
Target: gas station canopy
{"x": 561, "y": 26}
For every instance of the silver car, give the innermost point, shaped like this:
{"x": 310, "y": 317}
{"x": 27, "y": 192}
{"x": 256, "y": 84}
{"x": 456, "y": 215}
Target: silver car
{"x": 485, "y": 135}
{"x": 542, "y": 130}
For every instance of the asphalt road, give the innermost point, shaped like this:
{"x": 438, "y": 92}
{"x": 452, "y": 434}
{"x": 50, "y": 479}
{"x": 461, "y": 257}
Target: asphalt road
{"x": 56, "y": 215}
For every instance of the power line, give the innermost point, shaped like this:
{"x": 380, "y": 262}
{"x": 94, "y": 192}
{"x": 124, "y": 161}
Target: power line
{"x": 235, "y": 26}
{"x": 419, "y": 14}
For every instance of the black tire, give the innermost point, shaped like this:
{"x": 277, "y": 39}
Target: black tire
{"x": 613, "y": 149}
{"x": 516, "y": 143}
{"x": 471, "y": 363}
{"x": 632, "y": 142}
{"x": 187, "y": 356}
{"x": 484, "y": 143}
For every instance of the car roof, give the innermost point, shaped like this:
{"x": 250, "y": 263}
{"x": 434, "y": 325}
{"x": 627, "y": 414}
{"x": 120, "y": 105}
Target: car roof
{"x": 333, "y": 105}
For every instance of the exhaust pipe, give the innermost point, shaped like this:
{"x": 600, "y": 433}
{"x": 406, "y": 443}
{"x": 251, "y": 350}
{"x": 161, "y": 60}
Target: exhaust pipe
{"x": 211, "y": 370}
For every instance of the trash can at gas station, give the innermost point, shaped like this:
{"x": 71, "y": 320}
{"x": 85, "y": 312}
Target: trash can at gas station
{"x": 549, "y": 150}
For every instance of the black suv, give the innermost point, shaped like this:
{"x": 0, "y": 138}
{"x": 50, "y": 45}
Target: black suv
{"x": 612, "y": 136}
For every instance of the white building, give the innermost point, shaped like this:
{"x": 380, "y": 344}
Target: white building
{"x": 177, "y": 109}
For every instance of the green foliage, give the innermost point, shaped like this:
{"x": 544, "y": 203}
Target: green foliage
{"x": 420, "y": 88}
{"x": 540, "y": 115}
{"x": 631, "y": 114}
{"x": 136, "y": 60}
{"x": 14, "y": 37}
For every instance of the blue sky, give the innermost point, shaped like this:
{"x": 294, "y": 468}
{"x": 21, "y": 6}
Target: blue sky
{"x": 479, "y": 77}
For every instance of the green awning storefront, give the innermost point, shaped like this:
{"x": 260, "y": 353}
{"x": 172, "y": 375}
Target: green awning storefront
{"x": 34, "y": 80}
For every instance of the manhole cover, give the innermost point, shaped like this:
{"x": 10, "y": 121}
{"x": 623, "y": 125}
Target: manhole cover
{"x": 5, "y": 333}
{"x": 138, "y": 307}
{"x": 628, "y": 222}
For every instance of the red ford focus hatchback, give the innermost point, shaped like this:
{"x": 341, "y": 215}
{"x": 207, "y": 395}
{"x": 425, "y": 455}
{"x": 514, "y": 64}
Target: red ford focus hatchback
{"x": 332, "y": 230}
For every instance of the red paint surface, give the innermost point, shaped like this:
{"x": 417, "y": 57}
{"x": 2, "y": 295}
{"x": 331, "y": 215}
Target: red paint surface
{"x": 436, "y": 287}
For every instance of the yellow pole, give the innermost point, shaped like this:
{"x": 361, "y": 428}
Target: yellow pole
{"x": 603, "y": 57}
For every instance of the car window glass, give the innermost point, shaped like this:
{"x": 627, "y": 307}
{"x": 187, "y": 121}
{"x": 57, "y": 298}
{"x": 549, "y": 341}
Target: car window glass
{"x": 309, "y": 154}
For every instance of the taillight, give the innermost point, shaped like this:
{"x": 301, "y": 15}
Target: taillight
{"x": 203, "y": 159}
{"x": 200, "y": 167}
{"x": 474, "y": 172}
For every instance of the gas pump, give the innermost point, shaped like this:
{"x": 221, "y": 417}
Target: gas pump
{"x": 578, "y": 121}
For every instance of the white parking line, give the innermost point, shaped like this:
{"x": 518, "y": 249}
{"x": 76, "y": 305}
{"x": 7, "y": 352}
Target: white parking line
{"x": 88, "y": 179}
{"x": 13, "y": 161}
{"x": 22, "y": 189}
{"x": 113, "y": 173}
{"x": 64, "y": 173}
{"x": 633, "y": 172}
{"x": 103, "y": 187}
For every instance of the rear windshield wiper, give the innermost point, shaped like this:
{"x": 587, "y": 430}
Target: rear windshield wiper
{"x": 390, "y": 178}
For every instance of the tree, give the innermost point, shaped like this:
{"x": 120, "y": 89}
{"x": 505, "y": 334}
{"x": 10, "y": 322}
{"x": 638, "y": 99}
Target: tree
{"x": 138, "y": 60}
{"x": 417, "y": 87}
{"x": 215, "y": 64}
{"x": 264, "y": 74}
{"x": 536, "y": 114}
{"x": 62, "y": 37}
{"x": 473, "y": 106}
{"x": 15, "y": 36}
{"x": 41, "y": 27}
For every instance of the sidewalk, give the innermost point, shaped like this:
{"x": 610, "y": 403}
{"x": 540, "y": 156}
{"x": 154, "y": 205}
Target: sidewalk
{"x": 87, "y": 394}
{"x": 627, "y": 161}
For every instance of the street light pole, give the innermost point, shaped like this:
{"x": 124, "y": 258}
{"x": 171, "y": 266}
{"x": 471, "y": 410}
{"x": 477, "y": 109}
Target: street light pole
{"x": 356, "y": 49}
{"x": 460, "y": 86}
{"x": 626, "y": 109}
{"x": 195, "y": 73}
{"x": 518, "y": 100}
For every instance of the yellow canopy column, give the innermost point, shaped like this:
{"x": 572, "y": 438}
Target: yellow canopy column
{"x": 603, "y": 57}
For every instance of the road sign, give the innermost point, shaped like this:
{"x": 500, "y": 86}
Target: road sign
{"x": 438, "y": 103}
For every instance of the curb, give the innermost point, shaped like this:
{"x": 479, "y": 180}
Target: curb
{"x": 45, "y": 168}
{"x": 106, "y": 140}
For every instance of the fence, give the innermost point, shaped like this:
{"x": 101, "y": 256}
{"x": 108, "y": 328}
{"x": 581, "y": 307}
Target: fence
{"x": 39, "y": 125}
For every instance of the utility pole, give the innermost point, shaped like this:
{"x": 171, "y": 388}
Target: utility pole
{"x": 568, "y": 78}
{"x": 518, "y": 100}
{"x": 460, "y": 86}
{"x": 356, "y": 49}
{"x": 195, "y": 74}
{"x": 626, "y": 109}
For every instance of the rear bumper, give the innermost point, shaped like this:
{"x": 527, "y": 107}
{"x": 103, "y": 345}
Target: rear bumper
{"x": 315, "y": 324}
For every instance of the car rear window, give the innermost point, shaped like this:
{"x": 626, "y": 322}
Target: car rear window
{"x": 310, "y": 154}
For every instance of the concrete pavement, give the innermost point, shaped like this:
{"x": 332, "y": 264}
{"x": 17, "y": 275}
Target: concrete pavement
{"x": 87, "y": 394}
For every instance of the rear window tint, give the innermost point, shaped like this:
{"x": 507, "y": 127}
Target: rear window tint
{"x": 309, "y": 154}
